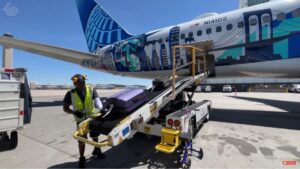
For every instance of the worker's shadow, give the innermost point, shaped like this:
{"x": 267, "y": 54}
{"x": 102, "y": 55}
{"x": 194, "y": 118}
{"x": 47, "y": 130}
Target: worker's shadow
{"x": 47, "y": 103}
{"x": 137, "y": 152}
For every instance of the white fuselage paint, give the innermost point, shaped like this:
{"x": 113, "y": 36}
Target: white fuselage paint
{"x": 274, "y": 68}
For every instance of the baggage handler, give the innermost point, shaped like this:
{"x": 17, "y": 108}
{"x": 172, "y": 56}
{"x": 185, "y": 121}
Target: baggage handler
{"x": 86, "y": 103}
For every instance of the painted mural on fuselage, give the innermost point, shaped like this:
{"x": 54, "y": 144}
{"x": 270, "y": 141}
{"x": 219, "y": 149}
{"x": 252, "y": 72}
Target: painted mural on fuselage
{"x": 260, "y": 33}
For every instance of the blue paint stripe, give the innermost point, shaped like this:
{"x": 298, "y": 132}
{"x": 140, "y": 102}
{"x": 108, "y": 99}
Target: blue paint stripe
{"x": 101, "y": 37}
{"x": 96, "y": 35}
{"x": 100, "y": 23}
{"x": 109, "y": 37}
{"x": 93, "y": 31}
{"x": 111, "y": 25}
{"x": 119, "y": 34}
{"x": 104, "y": 25}
{"x": 94, "y": 45}
{"x": 98, "y": 19}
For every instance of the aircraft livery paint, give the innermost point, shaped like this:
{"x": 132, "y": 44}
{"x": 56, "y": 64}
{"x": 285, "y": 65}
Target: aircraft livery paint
{"x": 248, "y": 35}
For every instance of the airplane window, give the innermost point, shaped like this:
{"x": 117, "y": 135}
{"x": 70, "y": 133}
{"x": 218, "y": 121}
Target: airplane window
{"x": 219, "y": 29}
{"x": 229, "y": 27}
{"x": 208, "y": 31}
{"x": 253, "y": 21}
{"x": 160, "y": 40}
{"x": 167, "y": 39}
{"x": 267, "y": 19}
{"x": 190, "y": 34}
{"x": 296, "y": 13}
{"x": 241, "y": 24}
{"x": 199, "y": 32}
{"x": 281, "y": 16}
{"x": 182, "y": 36}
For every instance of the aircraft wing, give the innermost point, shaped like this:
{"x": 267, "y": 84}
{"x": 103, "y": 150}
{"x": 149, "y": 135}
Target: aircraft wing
{"x": 68, "y": 55}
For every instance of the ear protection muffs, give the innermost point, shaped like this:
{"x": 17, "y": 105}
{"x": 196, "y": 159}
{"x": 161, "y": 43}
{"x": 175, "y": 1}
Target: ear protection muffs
{"x": 78, "y": 77}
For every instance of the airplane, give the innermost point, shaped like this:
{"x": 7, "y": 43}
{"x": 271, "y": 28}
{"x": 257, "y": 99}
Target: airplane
{"x": 257, "y": 41}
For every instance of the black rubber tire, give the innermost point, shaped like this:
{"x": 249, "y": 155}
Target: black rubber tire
{"x": 188, "y": 163}
{"x": 178, "y": 161}
{"x": 5, "y": 136}
{"x": 13, "y": 142}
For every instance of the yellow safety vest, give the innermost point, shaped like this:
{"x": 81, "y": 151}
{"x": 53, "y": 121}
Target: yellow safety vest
{"x": 88, "y": 107}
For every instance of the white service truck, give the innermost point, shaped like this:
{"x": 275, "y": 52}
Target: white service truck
{"x": 15, "y": 104}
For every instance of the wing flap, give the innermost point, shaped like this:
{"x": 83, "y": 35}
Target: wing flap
{"x": 59, "y": 53}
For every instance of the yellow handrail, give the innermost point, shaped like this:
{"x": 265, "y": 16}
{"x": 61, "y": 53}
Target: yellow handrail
{"x": 193, "y": 64}
{"x": 95, "y": 144}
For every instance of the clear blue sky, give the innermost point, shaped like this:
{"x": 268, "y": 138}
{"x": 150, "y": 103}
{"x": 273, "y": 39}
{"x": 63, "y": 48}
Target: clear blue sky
{"x": 56, "y": 22}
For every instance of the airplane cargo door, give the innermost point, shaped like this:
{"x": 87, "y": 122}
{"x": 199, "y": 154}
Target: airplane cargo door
{"x": 254, "y": 29}
{"x": 258, "y": 25}
{"x": 258, "y": 35}
{"x": 266, "y": 22}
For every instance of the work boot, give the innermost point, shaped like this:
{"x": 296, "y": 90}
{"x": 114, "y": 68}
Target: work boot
{"x": 82, "y": 162}
{"x": 97, "y": 152}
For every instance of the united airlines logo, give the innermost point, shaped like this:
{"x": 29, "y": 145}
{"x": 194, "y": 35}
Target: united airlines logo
{"x": 102, "y": 30}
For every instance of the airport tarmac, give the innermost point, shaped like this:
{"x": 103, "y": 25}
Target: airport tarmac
{"x": 250, "y": 130}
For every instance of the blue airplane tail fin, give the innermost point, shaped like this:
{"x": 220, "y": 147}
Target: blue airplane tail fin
{"x": 99, "y": 28}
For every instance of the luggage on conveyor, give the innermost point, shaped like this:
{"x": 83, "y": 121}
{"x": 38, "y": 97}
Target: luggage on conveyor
{"x": 127, "y": 100}
{"x": 124, "y": 103}
{"x": 160, "y": 84}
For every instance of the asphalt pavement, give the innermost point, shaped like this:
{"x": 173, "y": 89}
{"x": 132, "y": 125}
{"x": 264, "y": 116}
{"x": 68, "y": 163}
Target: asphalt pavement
{"x": 250, "y": 130}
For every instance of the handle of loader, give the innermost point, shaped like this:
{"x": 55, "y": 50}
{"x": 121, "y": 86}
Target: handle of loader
{"x": 95, "y": 144}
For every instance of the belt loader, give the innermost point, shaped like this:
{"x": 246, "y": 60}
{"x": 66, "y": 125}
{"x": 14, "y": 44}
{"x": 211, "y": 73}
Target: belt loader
{"x": 158, "y": 117}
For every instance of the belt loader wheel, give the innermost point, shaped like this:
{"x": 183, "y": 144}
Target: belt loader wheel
{"x": 13, "y": 142}
{"x": 187, "y": 164}
{"x": 4, "y": 136}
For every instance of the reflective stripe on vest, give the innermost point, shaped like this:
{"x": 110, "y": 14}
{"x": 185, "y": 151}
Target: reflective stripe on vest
{"x": 88, "y": 107}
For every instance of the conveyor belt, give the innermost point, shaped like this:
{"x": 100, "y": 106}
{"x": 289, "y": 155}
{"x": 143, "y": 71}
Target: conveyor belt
{"x": 111, "y": 122}
{"x": 115, "y": 118}
{"x": 106, "y": 125}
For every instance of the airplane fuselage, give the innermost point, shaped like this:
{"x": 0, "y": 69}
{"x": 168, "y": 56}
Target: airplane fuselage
{"x": 259, "y": 41}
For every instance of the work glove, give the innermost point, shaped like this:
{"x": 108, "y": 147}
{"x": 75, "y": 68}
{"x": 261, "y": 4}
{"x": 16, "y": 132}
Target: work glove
{"x": 78, "y": 114}
{"x": 104, "y": 111}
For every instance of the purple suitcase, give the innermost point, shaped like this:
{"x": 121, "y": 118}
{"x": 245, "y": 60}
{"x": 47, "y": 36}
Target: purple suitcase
{"x": 127, "y": 100}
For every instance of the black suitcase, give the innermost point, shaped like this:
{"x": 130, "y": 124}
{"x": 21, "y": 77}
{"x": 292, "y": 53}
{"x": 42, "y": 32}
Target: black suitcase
{"x": 160, "y": 84}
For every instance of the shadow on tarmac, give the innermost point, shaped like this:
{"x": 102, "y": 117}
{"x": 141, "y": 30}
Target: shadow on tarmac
{"x": 136, "y": 152}
{"x": 284, "y": 120}
{"x": 47, "y": 104}
{"x": 290, "y": 107}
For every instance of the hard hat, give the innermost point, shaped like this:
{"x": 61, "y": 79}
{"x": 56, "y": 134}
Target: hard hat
{"x": 79, "y": 78}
